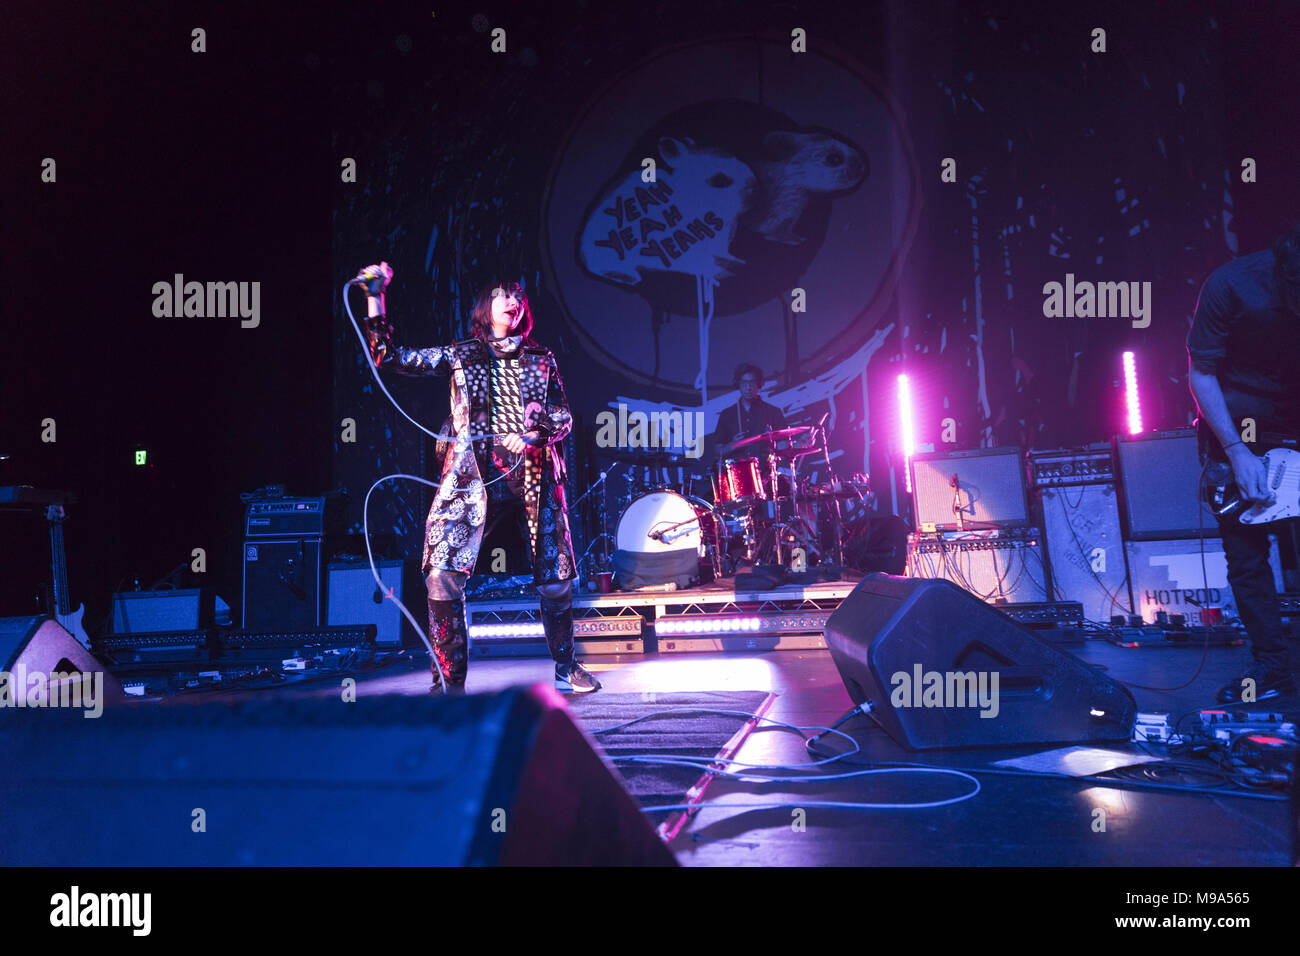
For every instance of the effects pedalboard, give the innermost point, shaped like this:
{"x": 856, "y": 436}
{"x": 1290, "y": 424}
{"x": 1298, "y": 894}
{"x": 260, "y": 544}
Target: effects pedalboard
{"x": 1157, "y": 635}
{"x": 170, "y": 662}
{"x": 1223, "y": 725}
{"x": 1261, "y": 743}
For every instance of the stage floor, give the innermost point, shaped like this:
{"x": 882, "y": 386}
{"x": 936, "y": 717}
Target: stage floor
{"x": 1013, "y": 821}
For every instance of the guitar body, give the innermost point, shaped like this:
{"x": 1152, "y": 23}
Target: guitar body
{"x": 1283, "y": 466}
{"x": 1282, "y": 463}
{"x": 71, "y": 622}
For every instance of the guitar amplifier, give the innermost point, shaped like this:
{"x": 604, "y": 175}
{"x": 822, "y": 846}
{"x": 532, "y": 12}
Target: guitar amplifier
{"x": 148, "y": 612}
{"x": 1085, "y": 466}
{"x": 981, "y": 488}
{"x": 282, "y": 582}
{"x": 353, "y": 598}
{"x": 1160, "y": 474}
{"x": 995, "y": 568}
{"x": 285, "y": 518}
{"x": 1167, "y": 576}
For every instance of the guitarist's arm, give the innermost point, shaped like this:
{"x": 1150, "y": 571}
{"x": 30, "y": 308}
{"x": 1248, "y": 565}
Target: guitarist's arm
{"x": 1248, "y": 469}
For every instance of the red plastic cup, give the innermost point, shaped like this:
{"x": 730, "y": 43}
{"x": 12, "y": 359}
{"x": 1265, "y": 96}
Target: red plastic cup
{"x": 605, "y": 581}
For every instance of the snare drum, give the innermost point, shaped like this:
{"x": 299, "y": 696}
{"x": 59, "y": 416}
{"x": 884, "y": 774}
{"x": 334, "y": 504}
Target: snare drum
{"x": 738, "y": 481}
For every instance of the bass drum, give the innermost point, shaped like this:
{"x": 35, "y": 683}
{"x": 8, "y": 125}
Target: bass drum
{"x": 666, "y": 521}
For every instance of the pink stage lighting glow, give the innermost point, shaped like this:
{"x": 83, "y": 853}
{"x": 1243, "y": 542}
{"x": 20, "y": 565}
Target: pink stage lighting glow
{"x": 905, "y": 424}
{"x": 1131, "y": 394}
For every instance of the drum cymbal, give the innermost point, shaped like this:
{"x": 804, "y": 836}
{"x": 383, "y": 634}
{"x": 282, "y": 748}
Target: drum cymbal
{"x": 786, "y": 434}
{"x": 772, "y": 437}
{"x": 753, "y": 440}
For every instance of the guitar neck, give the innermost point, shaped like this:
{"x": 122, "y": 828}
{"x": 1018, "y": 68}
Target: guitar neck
{"x": 59, "y": 570}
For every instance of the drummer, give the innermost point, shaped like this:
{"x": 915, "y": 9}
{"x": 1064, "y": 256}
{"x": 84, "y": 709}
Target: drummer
{"x": 748, "y": 417}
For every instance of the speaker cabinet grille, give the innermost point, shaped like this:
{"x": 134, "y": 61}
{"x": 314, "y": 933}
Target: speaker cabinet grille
{"x": 1160, "y": 476}
{"x": 282, "y": 583}
{"x": 990, "y": 489}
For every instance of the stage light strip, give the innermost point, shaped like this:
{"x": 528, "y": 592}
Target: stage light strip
{"x": 732, "y": 625}
{"x": 587, "y": 628}
{"x": 906, "y": 425}
{"x": 521, "y": 629}
{"x": 1131, "y": 394}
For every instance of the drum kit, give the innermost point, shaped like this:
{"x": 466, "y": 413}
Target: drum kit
{"x": 754, "y": 505}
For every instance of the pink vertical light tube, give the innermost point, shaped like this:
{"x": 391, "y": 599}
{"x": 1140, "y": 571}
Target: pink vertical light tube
{"x": 905, "y": 423}
{"x": 1131, "y": 394}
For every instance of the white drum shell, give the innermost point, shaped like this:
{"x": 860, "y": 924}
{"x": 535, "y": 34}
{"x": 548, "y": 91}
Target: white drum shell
{"x": 661, "y": 511}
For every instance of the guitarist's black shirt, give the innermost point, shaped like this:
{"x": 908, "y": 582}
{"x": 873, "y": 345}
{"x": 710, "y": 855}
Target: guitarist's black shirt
{"x": 1246, "y": 337}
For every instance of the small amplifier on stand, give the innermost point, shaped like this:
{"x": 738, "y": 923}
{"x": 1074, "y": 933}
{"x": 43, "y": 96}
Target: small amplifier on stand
{"x": 1160, "y": 475}
{"x": 146, "y": 612}
{"x": 353, "y": 599}
{"x": 970, "y": 490}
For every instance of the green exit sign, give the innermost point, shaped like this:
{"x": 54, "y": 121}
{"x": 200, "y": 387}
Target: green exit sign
{"x": 140, "y": 457}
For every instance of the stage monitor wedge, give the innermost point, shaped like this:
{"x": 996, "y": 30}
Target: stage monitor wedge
{"x": 37, "y": 645}
{"x": 925, "y": 654}
{"x": 393, "y": 780}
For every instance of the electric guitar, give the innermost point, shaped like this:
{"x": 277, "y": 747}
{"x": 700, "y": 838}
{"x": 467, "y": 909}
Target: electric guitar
{"x": 68, "y": 619}
{"x": 1282, "y": 463}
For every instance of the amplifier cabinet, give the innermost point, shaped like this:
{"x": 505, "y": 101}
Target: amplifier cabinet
{"x": 1085, "y": 548}
{"x": 1167, "y": 576}
{"x": 285, "y": 518}
{"x": 1091, "y": 465}
{"x": 351, "y": 595}
{"x": 981, "y": 488}
{"x": 282, "y": 583}
{"x": 994, "y": 569}
{"x": 147, "y": 612}
{"x": 1160, "y": 474}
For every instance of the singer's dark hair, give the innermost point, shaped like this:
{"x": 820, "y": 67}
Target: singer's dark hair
{"x": 480, "y": 317}
{"x": 1286, "y": 268}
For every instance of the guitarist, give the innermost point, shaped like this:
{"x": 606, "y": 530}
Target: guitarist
{"x": 1244, "y": 353}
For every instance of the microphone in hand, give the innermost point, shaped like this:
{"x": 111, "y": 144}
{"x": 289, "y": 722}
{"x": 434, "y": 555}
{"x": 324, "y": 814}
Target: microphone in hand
{"x": 374, "y": 279}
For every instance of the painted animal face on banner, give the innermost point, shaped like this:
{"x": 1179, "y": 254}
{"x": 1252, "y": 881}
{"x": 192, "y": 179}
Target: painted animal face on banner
{"x": 730, "y": 201}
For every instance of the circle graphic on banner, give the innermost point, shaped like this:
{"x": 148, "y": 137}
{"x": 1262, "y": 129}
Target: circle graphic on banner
{"x": 699, "y": 190}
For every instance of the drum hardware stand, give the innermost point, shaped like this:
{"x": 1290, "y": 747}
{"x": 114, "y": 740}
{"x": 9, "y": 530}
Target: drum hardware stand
{"x": 602, "y": 516}
{"x": 835, "y": 502}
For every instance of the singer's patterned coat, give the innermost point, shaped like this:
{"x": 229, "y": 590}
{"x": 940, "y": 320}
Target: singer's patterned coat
{"x": 454, "y": 529}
